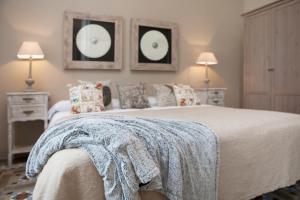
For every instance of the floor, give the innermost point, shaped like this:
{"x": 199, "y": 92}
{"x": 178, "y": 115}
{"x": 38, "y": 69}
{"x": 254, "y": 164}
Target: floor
{"x": 15, "y": 186}
{"x": 290, "y": 193}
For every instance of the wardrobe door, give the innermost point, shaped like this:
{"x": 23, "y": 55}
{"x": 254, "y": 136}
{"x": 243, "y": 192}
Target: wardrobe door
{"x": 286, "y": 83}
{"x": 257, "y": 61}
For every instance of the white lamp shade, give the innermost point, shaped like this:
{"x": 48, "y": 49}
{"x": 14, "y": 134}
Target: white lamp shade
{"x": 30, "y": 50}
{"x": 207, "y": 58}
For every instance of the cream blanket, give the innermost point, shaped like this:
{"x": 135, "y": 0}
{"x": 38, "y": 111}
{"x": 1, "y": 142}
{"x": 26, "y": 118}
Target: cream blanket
{"x": 260, "y": 152}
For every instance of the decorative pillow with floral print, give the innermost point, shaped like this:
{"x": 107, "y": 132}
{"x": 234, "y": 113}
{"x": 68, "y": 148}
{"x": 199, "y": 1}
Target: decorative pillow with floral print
{"x": 185, "y": 95}
{"x": 86, "y": 97}
{"x": 133, "y": 96}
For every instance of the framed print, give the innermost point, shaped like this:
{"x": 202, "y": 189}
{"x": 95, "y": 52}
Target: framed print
{"x": 154, "y": 45}
{"x": 92, "y": 42}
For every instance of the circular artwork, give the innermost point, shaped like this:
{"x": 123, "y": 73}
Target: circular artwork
{"x": 93, "y": 41}
{"x": 154, "y": 45}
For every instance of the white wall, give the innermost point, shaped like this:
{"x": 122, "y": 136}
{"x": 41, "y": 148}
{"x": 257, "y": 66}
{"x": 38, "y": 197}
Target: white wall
{"x": 204, "y": 25}
{"x": 250, "y": 5}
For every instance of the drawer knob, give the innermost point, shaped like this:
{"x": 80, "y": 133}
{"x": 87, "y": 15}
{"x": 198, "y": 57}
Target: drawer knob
{"x": 216, "y": 92}
{"x": 216, "y": 101}
{"x": 28, "y": 112}
{"x": 28, "y": 99}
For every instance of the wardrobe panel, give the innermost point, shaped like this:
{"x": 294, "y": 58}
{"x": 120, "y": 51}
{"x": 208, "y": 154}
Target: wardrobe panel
{"x": 286, "y": 83}
{"x": 260, "y": 102}
{"x": 286, "y": 103}
{"x": 257, "y": 60}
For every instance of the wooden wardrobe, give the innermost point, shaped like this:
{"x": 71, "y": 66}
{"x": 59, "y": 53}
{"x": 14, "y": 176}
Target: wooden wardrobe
{"x": 272, "y": 57}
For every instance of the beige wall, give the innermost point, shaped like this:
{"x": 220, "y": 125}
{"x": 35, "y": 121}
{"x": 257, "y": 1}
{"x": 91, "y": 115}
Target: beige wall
{"x": 204, "y": 24}
{"x": 250, "y": 5}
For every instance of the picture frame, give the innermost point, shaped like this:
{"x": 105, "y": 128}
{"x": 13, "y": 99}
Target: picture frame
{"x": 92, "y": 42}
{"x": 154, "y": 45}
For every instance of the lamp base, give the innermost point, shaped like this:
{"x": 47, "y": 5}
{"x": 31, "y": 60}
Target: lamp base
{"x": 29, "y": 82}
{"x": 206, "y": 82}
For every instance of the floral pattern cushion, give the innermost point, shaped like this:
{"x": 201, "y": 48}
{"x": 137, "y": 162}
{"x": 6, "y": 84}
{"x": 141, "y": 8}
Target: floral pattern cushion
{"x": 185, "y": 95}
{"x": 86, "y": 97}
{"x": 133, "y": 96}
{"x": 165, "y": 95}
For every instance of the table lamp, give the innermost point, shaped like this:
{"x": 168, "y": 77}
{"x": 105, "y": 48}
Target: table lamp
{"x": 30, "y": 51}
{"x": 207, "y": 58}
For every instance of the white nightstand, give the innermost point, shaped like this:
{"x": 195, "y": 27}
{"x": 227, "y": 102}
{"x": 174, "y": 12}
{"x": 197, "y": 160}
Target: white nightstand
{"x": 212, "y": 96}
{"x": 24, "y": 106}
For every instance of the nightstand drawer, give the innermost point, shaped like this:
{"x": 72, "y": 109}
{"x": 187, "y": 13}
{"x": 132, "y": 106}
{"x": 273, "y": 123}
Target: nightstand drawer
{"x": 28, "y": 99}
{"x": 27, "y": 112}
{"x": 215, "y": 101}
{"x": 216, "y": 94}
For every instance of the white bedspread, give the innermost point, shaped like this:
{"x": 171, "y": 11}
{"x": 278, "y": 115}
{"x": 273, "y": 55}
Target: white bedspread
{"x": 260, "y": 152}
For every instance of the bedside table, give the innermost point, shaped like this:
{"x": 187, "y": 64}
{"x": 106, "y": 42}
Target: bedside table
{"x": 212, "y": 96}
{"x": 21, "y": 107}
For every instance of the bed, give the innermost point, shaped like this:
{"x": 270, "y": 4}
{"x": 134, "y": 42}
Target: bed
{"x": 259, "y": 153}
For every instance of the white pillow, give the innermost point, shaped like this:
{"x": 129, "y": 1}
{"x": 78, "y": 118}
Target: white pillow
{"x": 152, "y": 101}
{"x": 65, "y": 106}
{"x": 61, "y": 106}
{"x": 115, "y": 104}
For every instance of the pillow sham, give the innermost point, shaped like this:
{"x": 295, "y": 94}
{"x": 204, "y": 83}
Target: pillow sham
{"x": 116, "y": 102}
{"x": 133, "y": 96}
{"x": 185, "y": 95}
{"x": 165, "y": 95}
{"x": 86, "y": 97}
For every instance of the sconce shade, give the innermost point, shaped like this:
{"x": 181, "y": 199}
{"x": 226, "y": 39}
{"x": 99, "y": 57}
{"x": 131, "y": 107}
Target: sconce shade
{"x": 207, "y": 58}
{"x": 30, "y": 50}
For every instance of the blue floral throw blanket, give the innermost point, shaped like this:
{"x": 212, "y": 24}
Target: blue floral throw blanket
{"x": 176, "y": 158}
